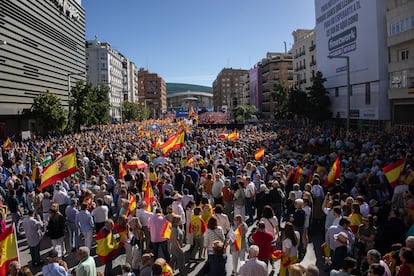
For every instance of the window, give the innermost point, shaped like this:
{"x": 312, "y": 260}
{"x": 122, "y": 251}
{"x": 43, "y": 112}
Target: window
{"x": 403, "y": 54}
{"x": 336, "y": 92}
{"x": 367, "y": 93}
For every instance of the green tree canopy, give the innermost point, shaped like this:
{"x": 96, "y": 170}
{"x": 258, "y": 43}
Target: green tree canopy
{"x": 319, "y": 102}
{"x": 134, "y": 111}
{"x": 88, "y": 105}
{"x": 243, "y": 113}
{"x": 298, "y": 103}
{"x": 48, "y": 111}
{"x": 280, "y": 96}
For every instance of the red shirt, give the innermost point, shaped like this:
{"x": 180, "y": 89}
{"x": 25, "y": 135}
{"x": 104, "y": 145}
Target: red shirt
{"x": 264, "y": 241}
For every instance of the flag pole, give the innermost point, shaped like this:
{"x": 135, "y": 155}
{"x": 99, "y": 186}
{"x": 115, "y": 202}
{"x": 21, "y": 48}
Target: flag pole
{"x": 15, "y": 240}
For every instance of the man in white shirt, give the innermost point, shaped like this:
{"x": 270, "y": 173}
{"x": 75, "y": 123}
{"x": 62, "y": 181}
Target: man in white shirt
{"x": 100, "y": 214}
{"x": 253, "y": 266}
{"x": 144, "y": 216}
{"x": 250, "y": 196}
{"x": 60, "y": 196}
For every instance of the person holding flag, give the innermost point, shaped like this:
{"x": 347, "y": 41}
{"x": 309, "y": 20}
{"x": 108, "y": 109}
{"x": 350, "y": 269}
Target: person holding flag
{"x": 107, "y": 246}
{"x": 238, "y": 242}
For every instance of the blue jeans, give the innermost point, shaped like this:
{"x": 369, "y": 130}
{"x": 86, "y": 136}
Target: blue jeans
{"x": 35, "y": 253}
{"x": 74, "y": 239}
{"x": 164, "y": 249}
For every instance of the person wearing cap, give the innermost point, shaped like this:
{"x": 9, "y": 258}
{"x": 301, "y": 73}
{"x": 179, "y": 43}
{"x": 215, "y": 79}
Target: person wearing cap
{"x": 342, "y": 250}
{"x": 178, "y": 209}
{"x": 344, "y": 226}
{"x": 55, "y": 266}
{"x": 155, "y": 224}
{"x": 146, "y": 268}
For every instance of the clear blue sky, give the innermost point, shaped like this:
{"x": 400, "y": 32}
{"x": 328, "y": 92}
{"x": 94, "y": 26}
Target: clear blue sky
{"x": 190, "y": 41}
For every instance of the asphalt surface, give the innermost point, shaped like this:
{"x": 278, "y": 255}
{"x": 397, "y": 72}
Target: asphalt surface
{"x": 313, "y": 256}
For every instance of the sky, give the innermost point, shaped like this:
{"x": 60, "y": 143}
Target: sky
{"x": 191, "y": 41}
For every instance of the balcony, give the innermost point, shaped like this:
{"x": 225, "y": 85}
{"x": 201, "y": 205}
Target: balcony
{"x": 312, "y": 63}
{"x": 312, "y": 47}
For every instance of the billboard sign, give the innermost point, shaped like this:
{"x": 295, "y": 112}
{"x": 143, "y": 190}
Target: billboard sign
{"x": 349, "y": 28}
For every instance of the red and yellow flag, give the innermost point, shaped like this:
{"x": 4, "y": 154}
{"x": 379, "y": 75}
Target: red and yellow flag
{"x": 393, "y": 171}
{"x": 7, "y": 144}
{"x": 122, "y": 171}
{"x": 234, "y": 135}
{"x": 191, "y": 112}
{"x": 148, "y": 196}
{"x": 174, "y": 142}
{"x": 166, "y": 230}
{"x": 259, "y": 154}
{"x": 335, "y": 172}
{"x": 298, "y": 173}
{"x": 190, "y": 161}
{"x": 62, "y": 167}
{"x": 106, "y": 245}
{"x": 132, "y": 205}
{"x": 238, "y": 238}
{"x": 8, "y": 249}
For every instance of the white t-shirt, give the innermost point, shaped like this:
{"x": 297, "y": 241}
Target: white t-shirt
{"x": 270, "y": 224}
{"x": 287, "y": 243}
{"x": 308, "y": 211}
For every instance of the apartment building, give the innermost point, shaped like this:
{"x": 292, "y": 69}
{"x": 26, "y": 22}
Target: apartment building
{"x": 400, "y": 43}
{"x": 229, "y": 90}
{"x": 106, "y": 65}
{"x": 304, "y": 57}
{"x": 276, "y": 67}
{"x": 42, "y": 47}
{"x": 152, "y": 93}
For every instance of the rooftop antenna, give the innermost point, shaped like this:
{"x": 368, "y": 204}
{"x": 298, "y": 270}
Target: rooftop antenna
{"x": 285, "y": 46}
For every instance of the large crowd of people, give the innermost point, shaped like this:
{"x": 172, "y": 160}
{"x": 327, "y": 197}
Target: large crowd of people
{"x": 208, "y": 193}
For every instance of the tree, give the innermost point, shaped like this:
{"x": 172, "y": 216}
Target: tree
{"x": 280, "y": 96}
{"x": 243, "y": 113}
{"x": 133, "y": 111}
{"x": 88, "y": 105}
{"x": 298, "y": 103}
{"x": 48, "y": 111}
{"x": 319, "y": 103}
{"x": 79, "y": 105}
{"x": 99, "y": 105}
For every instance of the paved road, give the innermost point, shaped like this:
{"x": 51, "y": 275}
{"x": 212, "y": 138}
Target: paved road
{"x": 312, "y": 257}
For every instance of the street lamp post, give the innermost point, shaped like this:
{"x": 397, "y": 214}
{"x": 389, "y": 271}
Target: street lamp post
{"x": 348, "y": 85}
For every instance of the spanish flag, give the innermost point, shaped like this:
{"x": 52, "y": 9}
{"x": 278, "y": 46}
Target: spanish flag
{"x": 259, "y": 154}
{"x": 8, "y": 249}
{"x": 122, "y": 231}
{"x": 190, "y": 161}
{"x": 148, "y": 195}
{"x": 298, "y": 173}
{"x": 334, "y": 173}
{"x": 122, "y": 171}
{"x": 393, "y": 171}
{"x": 191, "y": 112}
{"x": 62, "y": 167}
{"x": 7, "y": 144}
{"x": 238, "y": 238}
{"x": 132, "y": 205}
{"x": 106, "y": 245}
{"x": 166, "y": 230}
{"x": 174, "y": 142}
{"x": 234, "y": 135}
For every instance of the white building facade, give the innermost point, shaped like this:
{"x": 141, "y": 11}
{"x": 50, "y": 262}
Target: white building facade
{"x": 304, "y": 57}
{"x": 357, "y": 30}
{"x": 106, "y": 65}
